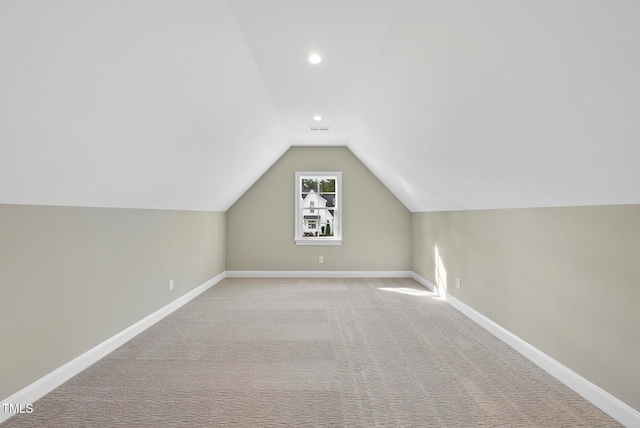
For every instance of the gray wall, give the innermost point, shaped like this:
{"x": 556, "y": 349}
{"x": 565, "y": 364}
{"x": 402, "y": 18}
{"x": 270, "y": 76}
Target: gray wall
{"x": 376, "y": 226}
{"x": 566, "y": 280}
{"x": 70, "y": 278}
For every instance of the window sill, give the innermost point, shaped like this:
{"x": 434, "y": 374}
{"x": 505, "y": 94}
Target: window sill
{"x": 318, "y": 241}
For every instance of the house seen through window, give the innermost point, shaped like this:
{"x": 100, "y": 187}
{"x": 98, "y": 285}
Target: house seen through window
{"x": 318, "y": 208}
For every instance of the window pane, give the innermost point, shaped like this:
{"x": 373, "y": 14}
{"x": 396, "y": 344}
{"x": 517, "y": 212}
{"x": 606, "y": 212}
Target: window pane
{"x": 328, "y": 199}
{"x": 309, "y": 184}
{"x": 317, "y": 223}
{"x": 327, "y": 184}
{"x": 310, "y": 224}
{"x": 327, "y": 228}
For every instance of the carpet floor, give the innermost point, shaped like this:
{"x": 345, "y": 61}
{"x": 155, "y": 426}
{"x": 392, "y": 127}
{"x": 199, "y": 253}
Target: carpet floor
{"x": 314, "y": 352}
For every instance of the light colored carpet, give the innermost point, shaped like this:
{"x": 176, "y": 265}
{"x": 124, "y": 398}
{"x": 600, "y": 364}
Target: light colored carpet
{"x": 314, "y": 352}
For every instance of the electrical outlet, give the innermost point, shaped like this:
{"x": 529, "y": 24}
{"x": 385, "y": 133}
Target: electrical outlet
{"x": 458, "y": 283}
{"x": 171, "y": 284}
{"x": 320, "y": 259}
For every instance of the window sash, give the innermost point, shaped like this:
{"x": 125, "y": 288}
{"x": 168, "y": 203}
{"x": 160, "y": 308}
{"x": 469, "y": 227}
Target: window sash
{"x": 316, "y": 185}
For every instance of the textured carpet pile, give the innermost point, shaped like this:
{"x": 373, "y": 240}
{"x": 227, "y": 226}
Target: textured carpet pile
{"x": 314, "y": 352}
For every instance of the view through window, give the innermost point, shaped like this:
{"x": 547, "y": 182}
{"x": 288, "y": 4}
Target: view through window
{"x": 318, "y": 206}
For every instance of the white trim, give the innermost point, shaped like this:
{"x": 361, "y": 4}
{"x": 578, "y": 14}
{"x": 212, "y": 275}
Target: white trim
{"x": 423, "y": 282}
{"x": 317, "y": 241}
{"x": 48, "y": 383}
{"x": 606, "y": 402}
{"x": 317, "y": 274}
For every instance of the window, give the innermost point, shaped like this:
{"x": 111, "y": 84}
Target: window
{"x": 318, "y": 205}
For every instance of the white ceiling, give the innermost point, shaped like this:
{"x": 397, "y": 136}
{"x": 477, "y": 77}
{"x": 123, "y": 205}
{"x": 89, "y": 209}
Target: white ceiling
{"x": 453, "y": 104}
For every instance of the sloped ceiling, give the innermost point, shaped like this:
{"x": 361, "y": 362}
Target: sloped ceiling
{"x": 140, "y": 104}
{"x": 461, "y": 104}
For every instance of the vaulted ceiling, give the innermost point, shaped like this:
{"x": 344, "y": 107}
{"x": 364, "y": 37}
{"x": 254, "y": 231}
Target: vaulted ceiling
{"x": 453, "y": 104}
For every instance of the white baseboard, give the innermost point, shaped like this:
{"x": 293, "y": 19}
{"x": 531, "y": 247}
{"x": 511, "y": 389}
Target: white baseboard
{"x": 317, "y": 274}
{"x": 48, "y": 383}
{"x": 606, "y": 402}
{"x": 424, "y": 282}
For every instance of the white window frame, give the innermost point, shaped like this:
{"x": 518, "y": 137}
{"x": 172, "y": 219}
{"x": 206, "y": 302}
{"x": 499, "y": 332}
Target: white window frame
{"x": 336, "y": 239}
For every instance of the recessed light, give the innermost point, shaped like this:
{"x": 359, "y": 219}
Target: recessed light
{"x": 317, "y": 118}
{"x": 315, "y": 58}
